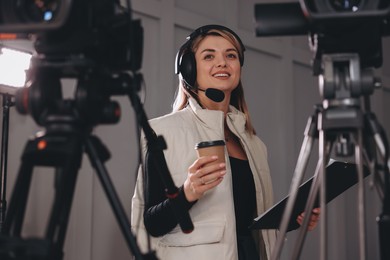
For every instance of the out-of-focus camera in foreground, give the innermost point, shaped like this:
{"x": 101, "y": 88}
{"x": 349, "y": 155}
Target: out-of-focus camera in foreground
{"x": 98, "y": 30}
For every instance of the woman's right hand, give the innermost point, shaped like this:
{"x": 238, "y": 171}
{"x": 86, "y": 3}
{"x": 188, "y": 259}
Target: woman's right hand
{"x": 203, "y": 177}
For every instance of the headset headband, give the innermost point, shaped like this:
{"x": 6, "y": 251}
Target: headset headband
{"x": 205, "y": 29}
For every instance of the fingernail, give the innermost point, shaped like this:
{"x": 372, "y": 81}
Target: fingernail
{"x": 222, "y": 165}
{"x": 222, "y": 173}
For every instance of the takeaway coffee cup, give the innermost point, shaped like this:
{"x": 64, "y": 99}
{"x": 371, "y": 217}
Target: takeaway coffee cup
{"x": 212, "y": 148}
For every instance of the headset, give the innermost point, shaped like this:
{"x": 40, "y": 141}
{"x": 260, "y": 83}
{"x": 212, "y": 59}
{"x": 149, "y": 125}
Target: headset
{"x": 185, "y": 63}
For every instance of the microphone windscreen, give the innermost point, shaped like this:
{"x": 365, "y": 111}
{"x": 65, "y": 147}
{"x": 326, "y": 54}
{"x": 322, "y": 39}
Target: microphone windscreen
{"x": 215, "y": 95}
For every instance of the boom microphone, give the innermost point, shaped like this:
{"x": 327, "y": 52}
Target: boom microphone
{"x": 214, "y": 94}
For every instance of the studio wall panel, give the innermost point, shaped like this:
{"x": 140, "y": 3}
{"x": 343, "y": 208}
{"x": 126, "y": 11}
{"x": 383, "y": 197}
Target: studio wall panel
{"x": 263, "y": 88}
{"x": 211, "y": 9}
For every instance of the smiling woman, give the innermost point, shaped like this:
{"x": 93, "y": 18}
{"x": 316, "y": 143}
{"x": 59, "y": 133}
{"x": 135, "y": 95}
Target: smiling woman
{"x": 221, "y": 195}
{"x": 221, "y": 198}
{"x": 13, "y": 66}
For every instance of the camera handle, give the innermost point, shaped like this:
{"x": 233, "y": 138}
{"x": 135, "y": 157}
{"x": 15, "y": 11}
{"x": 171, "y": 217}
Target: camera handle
{"x": 156, "y": 145}
{"x": 340, "y": 121}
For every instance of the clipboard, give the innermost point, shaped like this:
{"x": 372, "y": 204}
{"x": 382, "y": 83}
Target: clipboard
{"x": 340, "y": 176}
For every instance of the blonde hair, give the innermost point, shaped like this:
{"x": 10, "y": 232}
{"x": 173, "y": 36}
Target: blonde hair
{"x": 237, "y": 98}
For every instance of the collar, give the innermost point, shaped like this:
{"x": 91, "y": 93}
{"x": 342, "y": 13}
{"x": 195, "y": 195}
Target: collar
{"x": 215, "y": 119}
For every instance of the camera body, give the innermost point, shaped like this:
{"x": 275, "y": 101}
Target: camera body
{"x": 318, "y": 10}
{"x": 24, "y": 16}
{"x": 95, "y": 42}
{"x": 319, "y": 16}
{"x": 96, "y": 31}
{"x": 334, "y": 26}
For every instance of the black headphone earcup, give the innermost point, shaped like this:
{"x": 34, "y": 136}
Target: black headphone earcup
{"x": 187, "y": 68}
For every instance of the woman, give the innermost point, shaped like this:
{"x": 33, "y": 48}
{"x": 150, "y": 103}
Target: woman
{"x": 222, "y": 199}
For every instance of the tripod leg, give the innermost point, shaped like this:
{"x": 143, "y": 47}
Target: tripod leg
{"x": 64, "y": 186}
{"x": 313, "y": 196}
{"x": 303, "y": 158}
{"x": 323, "y": 223}
{"x": 93, "y": 147}
{"x": 361, "y": 201}
{"x": 15, "y": 214}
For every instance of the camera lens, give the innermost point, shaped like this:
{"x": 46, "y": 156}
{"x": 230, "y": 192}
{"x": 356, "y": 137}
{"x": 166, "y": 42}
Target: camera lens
{"x": 37, "y": 10}
{"x": 345, "y": 5}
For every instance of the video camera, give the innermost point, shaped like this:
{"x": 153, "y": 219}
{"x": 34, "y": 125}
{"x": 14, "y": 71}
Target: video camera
{"x": 335, "y": 26}
{"x": 346, "y": 38}
{"x": 99, "y": 45}
{"x": 100, "y": 31}
{"x": 95, "y": 42}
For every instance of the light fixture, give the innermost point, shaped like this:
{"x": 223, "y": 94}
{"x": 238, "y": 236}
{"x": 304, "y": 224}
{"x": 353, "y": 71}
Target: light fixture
{"x": 13, "y": 66}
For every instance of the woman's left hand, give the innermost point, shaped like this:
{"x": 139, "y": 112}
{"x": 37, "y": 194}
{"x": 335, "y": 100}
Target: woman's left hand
{"x": 315, "y": 216}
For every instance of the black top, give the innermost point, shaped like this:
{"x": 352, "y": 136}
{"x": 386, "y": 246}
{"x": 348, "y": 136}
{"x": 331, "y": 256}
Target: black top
{"x": 159, "y": 218}
{"x": 244, "y": 195}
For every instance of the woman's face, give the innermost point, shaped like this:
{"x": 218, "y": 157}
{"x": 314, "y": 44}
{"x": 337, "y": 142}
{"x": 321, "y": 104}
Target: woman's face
{"x": 217, "y": 64}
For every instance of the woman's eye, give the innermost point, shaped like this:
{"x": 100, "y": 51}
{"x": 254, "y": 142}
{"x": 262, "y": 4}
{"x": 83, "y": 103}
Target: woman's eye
{"x": 232, "y": 55}
{"x": 208, "y": 57}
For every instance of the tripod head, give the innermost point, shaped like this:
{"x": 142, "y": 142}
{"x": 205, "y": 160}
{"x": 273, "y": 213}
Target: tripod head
{"x": 92, "y": 105}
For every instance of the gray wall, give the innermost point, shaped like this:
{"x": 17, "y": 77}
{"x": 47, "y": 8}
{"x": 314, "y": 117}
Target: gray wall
{"x": 281, "y": 92}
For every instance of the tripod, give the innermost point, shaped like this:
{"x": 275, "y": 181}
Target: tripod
{"x": 341, "y": 123}
{"x": 61, "y": 145}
